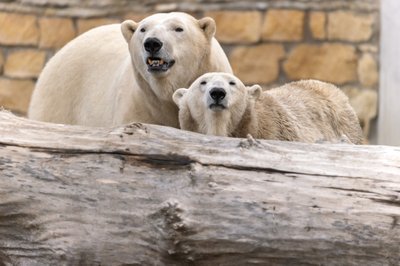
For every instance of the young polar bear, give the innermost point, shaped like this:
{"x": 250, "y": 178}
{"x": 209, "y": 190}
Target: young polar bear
{"x": 127, "y": 72}
{"x": 306, "y": 111}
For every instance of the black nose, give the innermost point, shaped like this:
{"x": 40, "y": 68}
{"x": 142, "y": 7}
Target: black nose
{"x": 217, "y": 93}
{"x": 152, "y": 45}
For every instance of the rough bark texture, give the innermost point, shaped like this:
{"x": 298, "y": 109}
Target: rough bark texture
{"x": 151, "y": 195}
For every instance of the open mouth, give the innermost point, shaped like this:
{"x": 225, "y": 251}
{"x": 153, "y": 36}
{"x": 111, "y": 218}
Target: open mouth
{"x": 217, "y": 107}
{"x": 158, "y": 65}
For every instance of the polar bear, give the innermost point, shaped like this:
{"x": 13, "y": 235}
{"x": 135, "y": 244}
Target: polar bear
{"x": 305, "y": 111}
{"x": 127, "y": 72}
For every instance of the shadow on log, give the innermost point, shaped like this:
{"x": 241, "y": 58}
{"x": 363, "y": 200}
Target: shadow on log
{"x": 152, "y": 195}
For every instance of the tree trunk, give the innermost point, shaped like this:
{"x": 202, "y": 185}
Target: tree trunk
{"x": 152, "y": 195}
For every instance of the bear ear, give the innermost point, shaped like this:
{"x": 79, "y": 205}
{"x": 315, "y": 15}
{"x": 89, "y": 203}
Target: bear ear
{"x": 207, "y": 24}
{"x": 178, "y": 94}
{"x": 254, "y": 91}
{"x": 128, "y": 27}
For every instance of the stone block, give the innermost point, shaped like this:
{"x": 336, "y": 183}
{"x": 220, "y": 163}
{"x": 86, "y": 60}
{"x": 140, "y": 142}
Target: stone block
{"x": 24, "y": 63}
{"x": 87, "y": 24}
{"x": 257, "y": 64}
{"x": 136, "y": 16}
{"x": 18, "y": 29}
{"x": 336, "y": 63}
{"x": 350, "y": 26}
{"x": 368, "y": 71}
{"x": 317, "y": 24}
{"x": 237, "y": 26}
{"x": 368, "y": 48}
{"x": 55, "y": 32}
{"x": 283, "y": 25}
{"x": 15, "y": 94}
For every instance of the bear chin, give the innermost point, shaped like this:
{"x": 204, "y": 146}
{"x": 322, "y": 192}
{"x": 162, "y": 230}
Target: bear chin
{"x": 217, "y": 107}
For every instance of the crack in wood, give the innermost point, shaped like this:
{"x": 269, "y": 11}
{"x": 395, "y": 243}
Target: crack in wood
{"x": 171, "y": 160}
{"x": 167, "y": 160}
{"x": 395, "y": 221}
{"x": 392, "y": 202}
{"x": 269, "y": 170}
{"x": 350, "y": 190}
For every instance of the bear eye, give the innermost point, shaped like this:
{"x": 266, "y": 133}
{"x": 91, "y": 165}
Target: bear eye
{"x": 142, "y": 30}
{"x": 203, "y": 82}
{"x": 178, "y": 29}
{"x": 232, "y": 83}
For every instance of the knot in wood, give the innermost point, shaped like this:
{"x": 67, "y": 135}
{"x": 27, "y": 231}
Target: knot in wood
{"x": 175, "y": 230}
{"x": 135, "y": 128}
{"x": 249, "y": 142}
{"x": 172, "y": 216}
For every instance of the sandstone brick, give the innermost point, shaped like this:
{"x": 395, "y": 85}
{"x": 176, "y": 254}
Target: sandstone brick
{"x": 317, "y": 25}
{"x": 336, "y": 63}
{"x": 87, "y": 24}
{"x": 24, "y": 63}
{"x": 368, "y": 48}
{"x": 136, "y": 16}
{"x": 18, "y": 29}
{"x": 283, "y": 25}
{"x": 350, "y": 26}
{"x": 237, "y": 26}
{"x": 257, "y": 64}
{"x": 55, "y": 32}
{"x": 368, "y": 71}
{"x": 15, "y": 94}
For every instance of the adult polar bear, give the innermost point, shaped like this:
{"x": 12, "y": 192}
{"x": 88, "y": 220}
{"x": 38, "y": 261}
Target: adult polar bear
{"x": 95, "y": 80}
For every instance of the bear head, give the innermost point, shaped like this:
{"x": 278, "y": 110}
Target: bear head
{"x": 215, "y": 103}
{"x": 169, "y": 50}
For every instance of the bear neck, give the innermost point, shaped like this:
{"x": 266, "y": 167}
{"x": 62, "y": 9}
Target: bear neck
{"x": 216, "y": 123}
{"x": 166, "y": 112}
{"x": 274, "y": 121}
{"x": 265, "y": 119}
{"x": 247, "y": 124}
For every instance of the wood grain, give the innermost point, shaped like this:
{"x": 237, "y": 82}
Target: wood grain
{"x": 152, "y": 195}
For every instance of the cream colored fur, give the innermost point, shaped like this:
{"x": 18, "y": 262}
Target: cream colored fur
{"x": 306, "y": 111}
{"x": 101, "y": 78}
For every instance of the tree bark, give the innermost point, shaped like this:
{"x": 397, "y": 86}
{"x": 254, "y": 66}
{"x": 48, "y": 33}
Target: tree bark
{"x": 152, "y": 195}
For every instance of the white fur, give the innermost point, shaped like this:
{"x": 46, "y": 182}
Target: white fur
{"x": 308, "y": 110}
{"x": 99, "y": 80}
{"x": 193, "y": 101}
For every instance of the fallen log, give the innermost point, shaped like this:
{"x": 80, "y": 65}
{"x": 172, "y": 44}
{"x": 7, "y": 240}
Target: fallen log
{"x": 151, "y": 195}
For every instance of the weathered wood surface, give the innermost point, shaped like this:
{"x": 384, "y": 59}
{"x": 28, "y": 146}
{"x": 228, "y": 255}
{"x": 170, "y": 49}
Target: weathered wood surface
{"x": 151, "y": 195}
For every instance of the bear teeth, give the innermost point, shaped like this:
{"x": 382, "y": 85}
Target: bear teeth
{"x": 155, "y": 62}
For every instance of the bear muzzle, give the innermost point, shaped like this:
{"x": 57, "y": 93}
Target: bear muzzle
{"x": 217, "y": 99}
{"x": 155, "y": 63}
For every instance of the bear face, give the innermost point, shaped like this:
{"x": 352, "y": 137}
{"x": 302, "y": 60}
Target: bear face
{"x": 214, "y": 103}
{"x": 165, "y": 45}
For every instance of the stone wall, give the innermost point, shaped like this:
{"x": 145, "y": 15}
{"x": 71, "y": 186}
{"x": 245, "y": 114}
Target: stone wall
{"x": 268, "y": 42}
